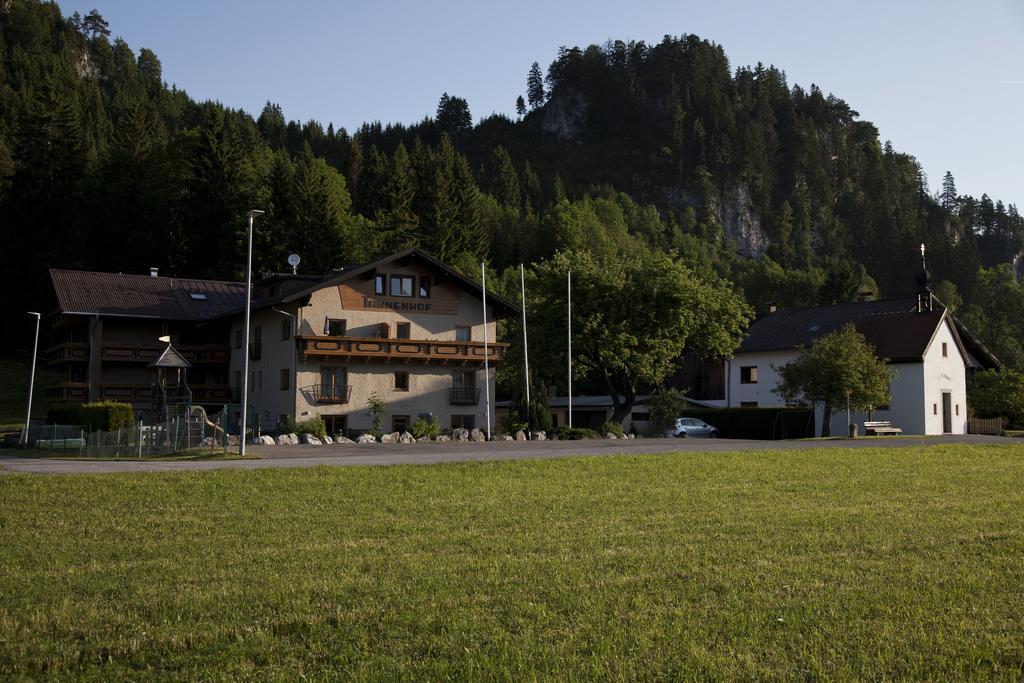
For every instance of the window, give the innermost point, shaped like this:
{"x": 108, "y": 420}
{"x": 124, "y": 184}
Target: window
{"x": 336, "y": 424}
{"x": 333, "y": 384}
{"x": 238, "y": 339}
{"x": 401, "y": 285}
{"x": 334, "y": 327}
{"x": 378, "y": 284}
{"x": 401, "y": 381}
{"x": 958, "y": 409}
{"x": 748, "y": 374}
{"x": 197, "y": 296}
{"x": 424, "y": 287}
{"x": 463, "y": 333}
{"x": 286, "y": 329}
{"x": 286, "y": 379}
{"x": 748, "y": 404}
{"x": 399, "y": 423}
{"x": 945, "y": 350}
{"x": 935, "y": 409}
{"x": 384, "y": 331}
{"x": 464, "y": 421}
{"x": 259, "y": 379}
{"x": 641, "y": 417}
{"x": 402, "y": 330}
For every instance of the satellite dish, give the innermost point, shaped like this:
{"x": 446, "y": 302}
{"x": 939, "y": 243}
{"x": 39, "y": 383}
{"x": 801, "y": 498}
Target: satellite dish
{"x": 293, "y": 261}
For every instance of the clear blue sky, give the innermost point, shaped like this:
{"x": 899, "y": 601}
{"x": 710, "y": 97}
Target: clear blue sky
{"x": 942, "y": 79}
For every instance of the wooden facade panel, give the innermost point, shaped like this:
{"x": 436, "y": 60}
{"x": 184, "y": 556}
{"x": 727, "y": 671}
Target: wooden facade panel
{"x": 359, "y": 296}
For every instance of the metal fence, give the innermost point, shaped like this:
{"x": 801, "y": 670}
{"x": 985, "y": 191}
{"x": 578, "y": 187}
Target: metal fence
{"x": 179, "y": 435}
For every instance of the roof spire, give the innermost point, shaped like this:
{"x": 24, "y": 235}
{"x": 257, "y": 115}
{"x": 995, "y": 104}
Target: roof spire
{"x": 924, "y": 286}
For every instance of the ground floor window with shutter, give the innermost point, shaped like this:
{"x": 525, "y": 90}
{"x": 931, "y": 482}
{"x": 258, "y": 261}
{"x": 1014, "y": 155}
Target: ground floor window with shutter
{"x": 464, "y": 421}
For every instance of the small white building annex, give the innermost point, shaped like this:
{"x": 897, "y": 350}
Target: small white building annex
{"x": 930, "y": 351}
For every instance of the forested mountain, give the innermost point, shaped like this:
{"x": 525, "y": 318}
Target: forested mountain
{"x": 782, "y": 190}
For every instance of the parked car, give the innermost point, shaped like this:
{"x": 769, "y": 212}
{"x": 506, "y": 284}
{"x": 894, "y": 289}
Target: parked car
{"x": 691, "y": 426}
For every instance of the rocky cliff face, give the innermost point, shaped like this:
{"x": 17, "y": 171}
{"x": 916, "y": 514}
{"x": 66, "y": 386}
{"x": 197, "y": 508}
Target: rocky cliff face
{"x": 741, "y": 223}
{"x": 565, "y": 116}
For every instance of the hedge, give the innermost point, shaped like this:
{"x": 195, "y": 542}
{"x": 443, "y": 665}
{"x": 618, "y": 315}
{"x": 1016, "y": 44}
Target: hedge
{"x": 99, "y": 416}
{"x": 758, "y": 423}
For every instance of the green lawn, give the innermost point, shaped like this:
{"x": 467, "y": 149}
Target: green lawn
{"x": 867, "y": 564}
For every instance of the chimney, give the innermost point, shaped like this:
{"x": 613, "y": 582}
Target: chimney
{"x": 154, "y": 271}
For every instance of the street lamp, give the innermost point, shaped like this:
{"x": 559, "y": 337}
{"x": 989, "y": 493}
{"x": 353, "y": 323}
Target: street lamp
{"x": 31, "y": 381}
{"x": 245, "y": 341}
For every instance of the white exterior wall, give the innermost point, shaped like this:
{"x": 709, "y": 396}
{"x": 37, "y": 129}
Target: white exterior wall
{"x": 941, "y": 375}
{"x": 906, "y": 410}
{"x": 429, "y": 384}
{"x": 767, "y": 379}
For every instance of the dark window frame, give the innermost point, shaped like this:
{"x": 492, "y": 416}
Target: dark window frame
{"x": 469, "y": 332}
{"x": 401, "y": 381}
{"x": 424, "y": 287}
{"x": 286, "y": 379}
{"x": 332, "y": 322}
{"x": 403, "y": 330}
{"x": 379, "y": 283}
{"x": 286, "y": 329}
{"x": 401, "y": 279}
{"x": 748, "y": 374}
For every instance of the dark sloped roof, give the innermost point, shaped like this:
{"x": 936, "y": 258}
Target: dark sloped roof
{"x": 789, "y": 328}
{"x": 893, "y": 326}
{"x": 900, "y": 336}
{"x": 143, "y": 296}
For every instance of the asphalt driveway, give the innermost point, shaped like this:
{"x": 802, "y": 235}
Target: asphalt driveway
{"x": 429, "y": 453}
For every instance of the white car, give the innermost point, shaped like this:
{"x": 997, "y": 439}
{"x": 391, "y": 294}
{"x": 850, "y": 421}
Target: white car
{"x": 691, "y": 426}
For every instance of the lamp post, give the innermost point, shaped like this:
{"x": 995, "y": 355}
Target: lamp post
{"x": 245, "y": 335}
{"x": 31, "y": 381}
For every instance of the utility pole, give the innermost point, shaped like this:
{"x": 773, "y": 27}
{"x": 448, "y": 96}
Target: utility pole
{"x": 245, "y": 334}
{"x": 31, "y": 381}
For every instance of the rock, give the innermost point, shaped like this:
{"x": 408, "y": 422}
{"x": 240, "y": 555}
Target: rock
{"x": 477, "y": 435}
{"x": 389, "y": 438}
{"x": 610, "y": 436}
{"x": 631, "y": 436}
{"x": 311, "y": 440}
{"x": 208, "y": 441}
{"x": 460, "y": 434}
{"x": 283, "y": 439}
{"x": 232, "y": 440}
{"x": 505, "y": 437}
{"x": 406, "y": 437}
{"x": 444, "y": 437}
{"x": 367, "y": 438}
{"x": 328, "y": 440}
{"x": 540, "y": 436}
{"x": 343, "y": 439}
{"x": 293, "y": 438}
{"x": 520, "y": 435}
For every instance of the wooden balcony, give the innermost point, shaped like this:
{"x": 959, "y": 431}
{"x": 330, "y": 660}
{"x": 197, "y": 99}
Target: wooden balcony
{"x": 368, "y": 349}
{"x": 134, "y": 393}
{"x": 136, "y": 353}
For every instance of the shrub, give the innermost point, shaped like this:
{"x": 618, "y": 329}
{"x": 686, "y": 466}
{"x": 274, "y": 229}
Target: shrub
{"x": 99, "y": 416}
{"x": 665, "y": 406}
{"x": 574, "y": 434}
{"x": 758, "y": 423}
{"x": 423, "y": 429}
{"x": 997, "y": 394}
{"x": 378, "y": 409}
{"x": 611, "y": 427}
{"x": 314, "y": 426}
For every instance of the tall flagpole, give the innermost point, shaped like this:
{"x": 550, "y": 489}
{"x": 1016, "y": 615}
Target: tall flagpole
{"x": 526, "y": 351}
{"x": 570, "y": 349}
{"x": 487, "y": 367}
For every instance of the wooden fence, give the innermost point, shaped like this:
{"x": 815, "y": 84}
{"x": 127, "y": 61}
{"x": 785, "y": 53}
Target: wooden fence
{"x": 977, "y": 425}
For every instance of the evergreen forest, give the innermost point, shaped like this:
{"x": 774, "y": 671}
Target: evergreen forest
{"x": 781, "y": 190}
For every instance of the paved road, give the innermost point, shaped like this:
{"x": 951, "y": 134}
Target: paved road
{"x": 428, "y": 453}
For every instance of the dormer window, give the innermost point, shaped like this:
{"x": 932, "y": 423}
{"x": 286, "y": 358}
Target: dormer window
{"x": 401, "y": 285}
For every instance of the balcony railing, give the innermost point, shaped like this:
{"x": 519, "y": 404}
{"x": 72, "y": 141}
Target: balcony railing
{"x": 338, "y": 393}
{"x": 138, "y": 353}
{"x": 464, "y": 396}
{"x": 139, "y": 393}
{"x": 424, "y": 351}
{"x": 68, "y": 391}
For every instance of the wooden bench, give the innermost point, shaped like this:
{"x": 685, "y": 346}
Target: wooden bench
{"x": 880, "y": 427}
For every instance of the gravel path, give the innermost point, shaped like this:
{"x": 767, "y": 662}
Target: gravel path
{"x": 428, "y": 453}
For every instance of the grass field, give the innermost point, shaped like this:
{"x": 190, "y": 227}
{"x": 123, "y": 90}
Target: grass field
{"x": 873, "y": 563}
